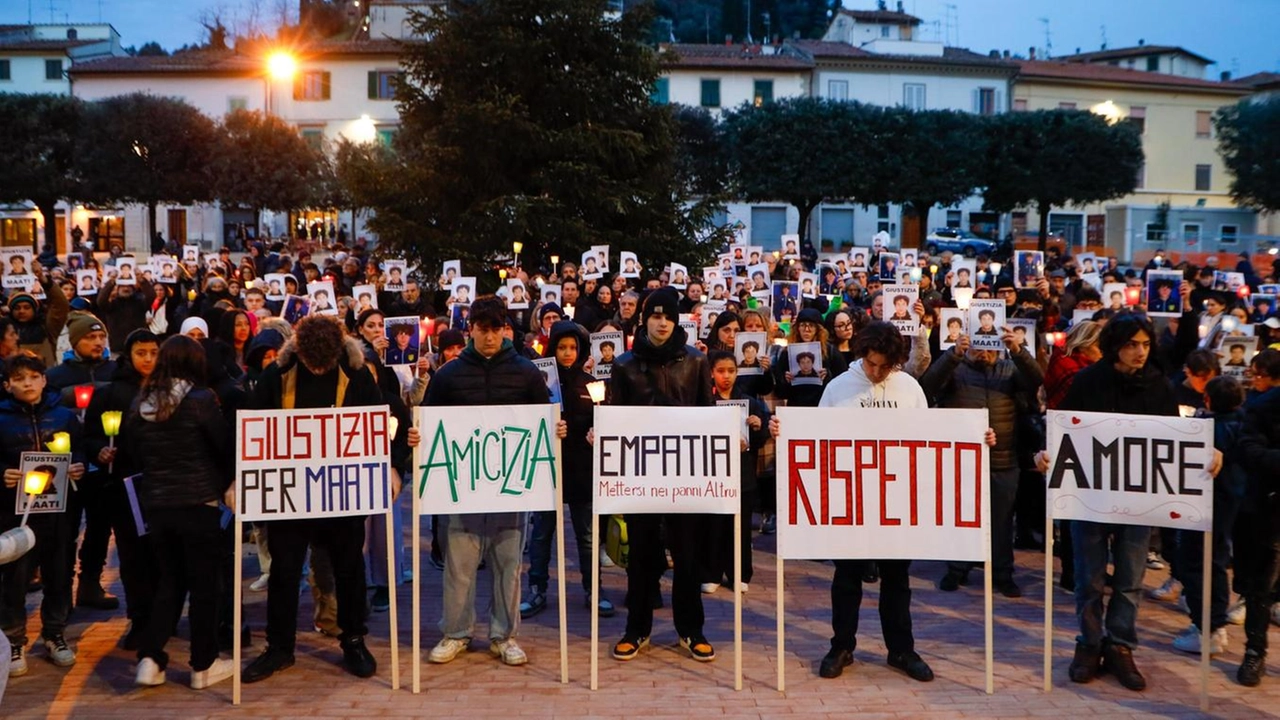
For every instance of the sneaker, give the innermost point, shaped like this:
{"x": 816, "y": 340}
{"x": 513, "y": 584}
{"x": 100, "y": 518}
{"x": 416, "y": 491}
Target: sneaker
{"x": 604, "y": 608}
{"x": 913, "y": 665}
{"x": 447, "y": 649}
{"x": 952, "y": 581}
{"x": 1235, "y": 613}
{"x": 605, "y": 560}
{"x": 834, "y": 663}
{"x": 270, "y": 662}
{"x": 261, "y": 583}
{"x": 536, "y": 603}
{"x": 17, "y": 661}
{"x": 709, "y": 588}
{"x": 1118, "y": 660}
{"x": 357, "y": 659}
{"x": 436, "y": 561}
{"x": 149, "y": 674}
{"x": 381, "y": 601}
{"x": 508, "y": 651}
{"x": 1008, "y": 588}
{"x": 1188, "y": 641}
{"x": 91, "y": 595}
{"x": 1168, "y": 592}
{"x": 220, "y": 670}
{"x": 1252, "y": 668}
{"x": 629, "y": 646}
{"x": 60, "y": 653}
{"x": 1154, "y": 561}
{"x": 698, "y": 648}
{"x": 769, "y": 524}
{"x": 1085, "y": 665}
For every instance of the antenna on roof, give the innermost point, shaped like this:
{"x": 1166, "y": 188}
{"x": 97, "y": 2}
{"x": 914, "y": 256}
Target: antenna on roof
{"x": 1048, "y": 39}
{"x": 953, "y": 23}
{"x": 1104, "y": 37}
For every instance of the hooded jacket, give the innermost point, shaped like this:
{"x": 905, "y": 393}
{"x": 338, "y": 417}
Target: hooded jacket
{"x": 76, "y": 371}
{"x": 185, "y": 458}
{"x": 117, "y": 395}
{"x": 854, "y": 389}
{"x": 1259, "y": 453}
{"x": 277, "y": 386}
{"x": 669, "y": 375}
{"x": 578, "y": 412}
{"x": 40, "y": 334}
{"x": 1102, "y": 388}
{"x": 26, "y": 428}
{"x": 507, "y": 378}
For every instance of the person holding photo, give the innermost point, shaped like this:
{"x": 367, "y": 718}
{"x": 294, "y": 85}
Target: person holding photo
{"x": 807, "y": 328}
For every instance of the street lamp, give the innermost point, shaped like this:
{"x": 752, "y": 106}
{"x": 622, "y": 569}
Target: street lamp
{"x": 280, "y": 66}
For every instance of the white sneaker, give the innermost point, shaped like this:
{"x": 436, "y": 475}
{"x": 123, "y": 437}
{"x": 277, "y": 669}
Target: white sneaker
{"x": 149, "y": 673}
{"x": 220, "y": 670}
{"x": 742, "y": 587}
{"x": 448, "y": 649}
{"x": 709, "y": 588}
{"x": 60, "y": 653}
{"x": 605, "y": 560}
{"x": 1171, "y": 590}
{"x": 508, "y": 651}
{"x": 1154, "y": 561}
{"x": 1235, "y": 613}
{"x": 1189, "y": 641}
{"x": 17, "y": 661}
{"x": 1275, "y": 614}
{"x": 261, "y": 583}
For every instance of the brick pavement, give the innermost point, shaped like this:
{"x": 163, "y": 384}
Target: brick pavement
{"x": 663, "y": 682}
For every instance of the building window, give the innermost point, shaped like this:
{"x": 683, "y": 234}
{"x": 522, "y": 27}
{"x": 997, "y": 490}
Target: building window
{"x": 387, "y": 135}
{"x": 1019, "y": 105}
{"x": 661, "y": 94}
{"x": 1191, "y": 233}
{"x": 1138, "y": 119}
{"x": 382, "y": 84}
{"x": 1204, "y": 123}
{"x": 313, "y": 136}
{"x": 710, "y": 93}
{"x": 884, "y": 31}
{"x": 984, "y": 101}
{"x": 913, "y": 96}
{"x": 1066, "y": 106}
{"x": 1141, "y": 180}
{"x": 52, "y": 69}
{"x": 311, "y": 85}
{"x": 1155, "y": 233}
{"x": 4, "y": 70}
{"x": 1153, "y": 63}
{"x": 954, "y": 218}
{"x": 1204, "y": 177}
{"x": 762, "y": 93}
{"x": 1228, "y": 234}
{"x": 882, "y": 212}
{"x": 838, "y": 90}
{"x": 235, "y": 103}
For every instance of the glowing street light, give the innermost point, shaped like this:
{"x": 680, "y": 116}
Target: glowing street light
{"x": 281, "y": 65}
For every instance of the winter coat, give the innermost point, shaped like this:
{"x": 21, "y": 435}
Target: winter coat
{"x": 76, "y": 371}
{"x": 275, "y": 388}
{"x": 578, "y": 412}
{"x": 1062, "y": 370}
{"x": 805, "y": 395}
{"x": 118, "y": 395}
{"x": 186, "y": 458}
{"x": 669, "y": 375}
{"x": 27, "y": 428}
{"x": 1259, "y": 453}
{"x": 1102, "y": 388}
{"x": 123, "y": 315}
{"x": 40, "y": 335}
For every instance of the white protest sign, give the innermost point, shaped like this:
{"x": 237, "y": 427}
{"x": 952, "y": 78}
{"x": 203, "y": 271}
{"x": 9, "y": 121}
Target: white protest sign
{"x": 486, "y": 458}
{"x": 312, "y": 463}
{"x": 1130, "y": 469}
{"x": 52, "y": 468}
{"x": 667, "y": 460}
{"x": 883, "y": 483}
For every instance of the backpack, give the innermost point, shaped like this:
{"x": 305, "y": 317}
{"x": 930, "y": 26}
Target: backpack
{"x": 617, "y": 545}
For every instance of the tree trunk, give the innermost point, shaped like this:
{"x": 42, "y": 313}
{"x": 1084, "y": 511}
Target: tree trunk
{"x": 151, "y": 226}
{"x": 921, "y": 210}
{"x": 49, "y": 210}
{"x": 1043, "y": 209}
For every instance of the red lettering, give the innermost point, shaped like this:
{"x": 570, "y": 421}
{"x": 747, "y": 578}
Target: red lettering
{"x": 794, "y": 482}
{"x": 912, "y": 446}
{"x": 976, "y": 449}
{"x": 886, "y": 477}
{"x": 252, "y": 443}
{"x": 938, "y": 446}
{"x": 832, "y": 473}
{"x": 860, "y": 465}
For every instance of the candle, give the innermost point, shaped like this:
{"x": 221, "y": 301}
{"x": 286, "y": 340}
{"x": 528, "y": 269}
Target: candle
{"x": 596, "y": 389}
{"x": 61, "y": 444}
{"x": 191, "y": 295}
{"x": 84, "y": 393}
{"x": 995, "y": 269}
{"x": 1243, "y": 291}
{"x": 35, "y": 482}
{"x": 963, "y": 297}
{"x": 915, "y": 274}
{"x": 1132, "y": 295}
{"x": 393, "y": 425}
{"x": 111, "y": 423}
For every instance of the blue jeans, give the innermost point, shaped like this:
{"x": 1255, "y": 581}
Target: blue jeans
{"x": 544, "y": 531}
{"x": 1128, "y": 548}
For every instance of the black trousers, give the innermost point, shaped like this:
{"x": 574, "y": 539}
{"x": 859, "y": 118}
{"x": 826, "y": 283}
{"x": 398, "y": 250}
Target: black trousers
{"x": 1257, "y": 568}
{"x": 187, "y": 545}
{"x": 648, "y": 562}
{"x": 895, "y": 604}
{"x": 93, "y": 500}
{"x": 343, "y": 538}
{"x": 717, "y": 560}
{"x": 54, "y": 553}
{"x": 138, "y": 564}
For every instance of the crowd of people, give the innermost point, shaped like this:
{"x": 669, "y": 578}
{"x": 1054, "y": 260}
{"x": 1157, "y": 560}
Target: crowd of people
{"x": 176, "y": 356}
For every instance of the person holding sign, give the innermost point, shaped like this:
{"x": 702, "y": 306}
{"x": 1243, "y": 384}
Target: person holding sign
{"x": 662, "y": 369}
{"x": 490, "y": 371}
{"x": 1125, "y": 380}
{"x": 29, "y": 417}
{"x": 320, "y": 367}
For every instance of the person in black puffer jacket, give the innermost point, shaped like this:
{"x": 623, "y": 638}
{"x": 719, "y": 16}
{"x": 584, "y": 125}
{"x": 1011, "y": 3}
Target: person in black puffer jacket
{"x": 568, "y": 344}
{"x": 489, "y": 371}
{"x": 176, "y": 431}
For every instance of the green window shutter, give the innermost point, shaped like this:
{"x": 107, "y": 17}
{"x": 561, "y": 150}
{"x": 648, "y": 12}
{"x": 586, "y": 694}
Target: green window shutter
{"x": 373, "y": 84}
{"x": 324, "y": 85}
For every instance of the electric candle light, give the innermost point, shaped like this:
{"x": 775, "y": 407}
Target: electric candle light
{"x": 995, "y": 269}
{"x": 61, "y": 444}
{"x": 963, "y": 297}
{"x": 33, "y": 484}
{"x": 393, "y": 424}
{"x": 1243, "y": 292}
{"x": 915, "y": 274}
{"x": 111, "y": 428}
{"x": 1132, "y": 295}
{"x": 502, "y": 273}
{"x": 517, "y": 246}
{"x": 191, "y": 295}
{"x": 597, "y": 391}
{"x": 84, "y": 393}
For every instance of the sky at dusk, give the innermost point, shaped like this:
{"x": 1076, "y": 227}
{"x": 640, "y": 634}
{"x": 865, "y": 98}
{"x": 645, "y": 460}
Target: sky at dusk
{"x": 1238, "y": 34}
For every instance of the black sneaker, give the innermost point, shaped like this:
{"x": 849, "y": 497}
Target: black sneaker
{"x": 834, "y": 663}
{"x": 699, "y": 648}
{"x": 1008, "y": 588}
{"x": 270, "y": 662}
{"x": 1118, "y": 661}
{"x": 629, "y": 646}
{"x": 91, "y": 595}
{"x": 913, "y": 665}
{"x": 769, "y": 524}
{"x": 952, "y": 581}
{"x": 381, "y": 601}
{"x": 357, "y": 659}
{"x": 1085, "y": 665}
{"x": 1252, "y": 668}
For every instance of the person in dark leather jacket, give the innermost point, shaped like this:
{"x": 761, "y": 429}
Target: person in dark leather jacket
{"x": 661, "y": 369}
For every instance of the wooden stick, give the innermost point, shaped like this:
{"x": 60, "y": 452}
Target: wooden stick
{"x": 595, "y": 598}
{"x": 417, "y": 587}
{"x": 393, "y": 580}
{"x": 236, "y": 593}
{"x": 1207, "y": 591}
{"x": 560, "y": 583}
{"x": 987, "y": 613}
{"x": 737, "y": 601}
{"x": 782, "y": 625}
{"x": 1048, "y": 600}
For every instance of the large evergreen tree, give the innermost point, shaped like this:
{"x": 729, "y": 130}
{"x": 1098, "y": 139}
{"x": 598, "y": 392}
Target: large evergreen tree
{"x": 1249, "y": 142}
{"x": 38, "y": 153}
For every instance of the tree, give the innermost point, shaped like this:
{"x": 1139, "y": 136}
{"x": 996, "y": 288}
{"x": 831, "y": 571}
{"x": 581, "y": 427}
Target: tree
{"x": 806, "y": 151}
{"x": 39, "y": 153}
{"x": 1249, "y": 142}
{"x": 531, "y": 121}
{"x": 261, "y": 163}
{"x": 146, "y": 149}
{"x": 933, "y": 157}
{"x": 1051, "y": 158}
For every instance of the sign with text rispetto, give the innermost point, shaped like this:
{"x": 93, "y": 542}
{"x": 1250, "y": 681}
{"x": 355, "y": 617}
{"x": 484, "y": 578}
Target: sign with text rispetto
{"x": 487, "y": 458}
{"x": 667, "y": 460}
{"x": 1130, "y": 469}
{"x": 882, "y": 483}
{"x": 312, "y": 463}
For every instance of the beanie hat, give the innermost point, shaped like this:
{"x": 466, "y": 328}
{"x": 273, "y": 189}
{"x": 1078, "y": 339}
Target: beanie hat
{"x": 22, "y": 297}
{"x": 81, "y": 324}
{"x": 663, "y": 300}
{"x": 451, "y": 338}
{"x": 809, "y": 315}
{"x": 549, "y": 308}
{"x": 79, "y": 303}
{"x": 194, "y": 322}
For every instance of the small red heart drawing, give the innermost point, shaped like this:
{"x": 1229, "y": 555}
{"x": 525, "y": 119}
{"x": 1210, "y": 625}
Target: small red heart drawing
{"x": 1175, "y": 514}
{"x": 1075, "y": 421}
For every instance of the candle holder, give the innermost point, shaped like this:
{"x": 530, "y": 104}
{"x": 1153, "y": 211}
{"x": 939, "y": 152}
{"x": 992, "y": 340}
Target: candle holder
{"x": 596, "y": 389}
{"x": 60, "y": 444}
{"x": 963, "y": 297}
{"x": 111, "y": 428}
{"x": 84, "y": 393}
{"x": 33, "y": 484}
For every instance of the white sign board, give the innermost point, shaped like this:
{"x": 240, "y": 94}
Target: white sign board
{"x": 883, "y": 483}
{"x": 52, "y": 467}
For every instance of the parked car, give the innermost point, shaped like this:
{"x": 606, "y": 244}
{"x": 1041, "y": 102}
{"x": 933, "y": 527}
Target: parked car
{"x": 958, "y": 240}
